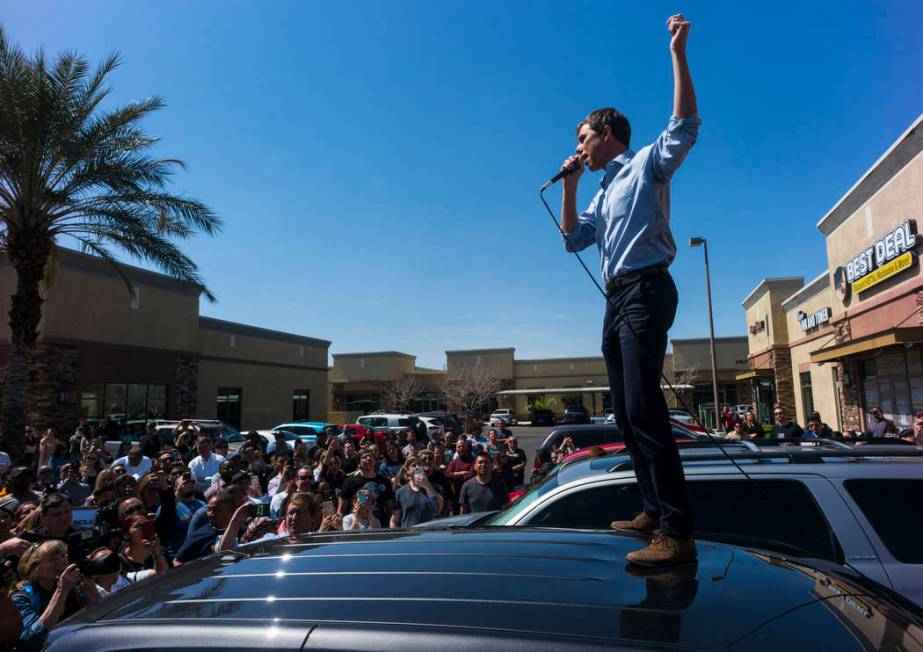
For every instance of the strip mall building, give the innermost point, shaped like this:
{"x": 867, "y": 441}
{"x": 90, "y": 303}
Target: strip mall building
{"x": 850, "y": 339}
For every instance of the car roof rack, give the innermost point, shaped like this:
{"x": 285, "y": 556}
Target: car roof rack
{"x": 812, "y": 451}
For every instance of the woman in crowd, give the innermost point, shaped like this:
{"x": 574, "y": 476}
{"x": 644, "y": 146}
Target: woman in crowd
{"x": 363, "y": 515}
{"x": 330, "y": 471}
{"x": 142, "y": 550}
{"x": 492, "y": 445}
{"x": 52, "y": 590}
{"x": 90, "y": 467}
{"x": 154, "y": 491}
{"x": 736, "y": 433}
{"x": 751, "y": 427}
{"x": 393, "y": 462}
{"x": 350, "y": 457}
{"x": 47, "y": 446}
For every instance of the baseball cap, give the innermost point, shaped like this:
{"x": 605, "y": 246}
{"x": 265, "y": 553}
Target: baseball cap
{"x": 20, "y": 470}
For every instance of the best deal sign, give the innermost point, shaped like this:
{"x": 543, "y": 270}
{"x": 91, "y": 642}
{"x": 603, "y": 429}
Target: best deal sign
{"x": 890, "y": 255}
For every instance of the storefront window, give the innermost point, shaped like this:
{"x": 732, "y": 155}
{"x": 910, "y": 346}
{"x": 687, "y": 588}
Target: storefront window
{"x": 300, "y": 403}
{"x": 807, "y": 396}
{"x": 123, "y": 402}
{"x": 91, "y": 401}
{"x": 893, "y": 381}
{"x": 229, "y": 401}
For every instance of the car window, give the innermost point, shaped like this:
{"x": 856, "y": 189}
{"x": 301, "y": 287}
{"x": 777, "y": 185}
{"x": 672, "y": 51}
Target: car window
{"x": 379, "y": 422}
{"x": 732, "y": 510}
{"x": 403, "y": 422}
{"x": 365, "y": 421}
{"x": 884, "y": 503}
{"x": 594, "y": 508}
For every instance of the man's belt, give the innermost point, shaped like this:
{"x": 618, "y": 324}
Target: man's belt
{"x": 620, "y": 281}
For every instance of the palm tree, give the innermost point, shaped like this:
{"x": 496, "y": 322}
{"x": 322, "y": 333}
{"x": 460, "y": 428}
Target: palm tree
{"x": 69, "y": 169}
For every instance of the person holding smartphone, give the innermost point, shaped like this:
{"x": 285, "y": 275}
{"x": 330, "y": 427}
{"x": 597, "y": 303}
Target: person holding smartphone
{"x": 417, "y": 501}
{"x": 142, "y": 551}
{"x": 362, "y": 516}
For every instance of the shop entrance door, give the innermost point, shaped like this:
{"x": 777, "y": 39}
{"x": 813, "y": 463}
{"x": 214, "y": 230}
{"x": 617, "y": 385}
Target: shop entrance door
{"x": 764, "y": 391}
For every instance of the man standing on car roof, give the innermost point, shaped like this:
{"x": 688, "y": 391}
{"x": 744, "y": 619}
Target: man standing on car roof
{"x": 629, "y": 221}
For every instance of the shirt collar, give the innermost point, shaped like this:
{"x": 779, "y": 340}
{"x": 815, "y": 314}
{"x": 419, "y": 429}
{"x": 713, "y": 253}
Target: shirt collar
{"x": 615, "y": 166}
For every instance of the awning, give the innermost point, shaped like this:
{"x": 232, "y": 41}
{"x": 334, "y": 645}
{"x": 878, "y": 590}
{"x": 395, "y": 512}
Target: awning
{"x": 755, "y": 373}
{"x": 888, "y": 338}
{"x": 570, "y": 390}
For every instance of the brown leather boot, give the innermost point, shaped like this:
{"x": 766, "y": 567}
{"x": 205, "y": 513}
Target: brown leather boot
{"x": 640, "y": 524}
{"x": 664, "y": 550}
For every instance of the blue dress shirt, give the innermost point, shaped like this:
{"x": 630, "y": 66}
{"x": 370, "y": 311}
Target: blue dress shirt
{"x": 629, "y": 218}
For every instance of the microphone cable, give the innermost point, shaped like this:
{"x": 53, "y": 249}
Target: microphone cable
{"x": 716, "y": 440}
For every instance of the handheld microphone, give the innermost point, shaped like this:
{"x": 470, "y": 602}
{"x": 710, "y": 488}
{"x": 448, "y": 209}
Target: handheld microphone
{"x": 560, "y": 175}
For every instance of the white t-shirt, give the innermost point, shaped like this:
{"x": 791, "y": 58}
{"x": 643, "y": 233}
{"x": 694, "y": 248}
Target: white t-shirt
{"x": 203, "y": 470}
{"x": 143, "y": 468}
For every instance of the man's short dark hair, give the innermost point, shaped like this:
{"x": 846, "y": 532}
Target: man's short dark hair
{"x": 618, "y": 123}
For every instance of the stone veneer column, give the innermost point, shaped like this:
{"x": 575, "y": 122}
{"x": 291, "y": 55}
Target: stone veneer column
{"x": 848, "y": 395}
{"x": 54, "y": 394}
{"x": 184, "y": 398}
{"x": 785, "y": 382}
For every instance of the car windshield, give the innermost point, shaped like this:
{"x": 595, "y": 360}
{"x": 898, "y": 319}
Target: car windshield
{"x": 299, "y": 430}
{"x": 512, "y": 512}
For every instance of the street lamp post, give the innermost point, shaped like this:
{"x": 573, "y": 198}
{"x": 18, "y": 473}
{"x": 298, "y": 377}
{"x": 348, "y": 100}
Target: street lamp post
{"x": 696, "y": 242}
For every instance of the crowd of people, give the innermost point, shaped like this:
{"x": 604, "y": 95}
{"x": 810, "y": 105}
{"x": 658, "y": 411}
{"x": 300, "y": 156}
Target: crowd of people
{"x": 77, "y": 523}
{"x": 747, "y": 426}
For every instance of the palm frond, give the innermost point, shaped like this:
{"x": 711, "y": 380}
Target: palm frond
{"x": 70, "y": 168}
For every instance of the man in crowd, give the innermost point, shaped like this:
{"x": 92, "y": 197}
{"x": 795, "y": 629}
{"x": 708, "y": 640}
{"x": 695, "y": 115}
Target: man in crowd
{"x": 20, "y": 486}
{"x": 77, "y": 491}
{"x": 369, "y": 478}
{"x": 484, "y": 492}
{"x": 784, "y": 427}
{"x": 516, "y": 460}
{"x": 204, "y": 540}
{"x": 460, "y": 469}
{"x": 136, "y": 464}
{"x": 879, "y": 426}
{"x": 304, "y": 478}
{"x": 205, "y": 465}
{"x": 417, "y": 501}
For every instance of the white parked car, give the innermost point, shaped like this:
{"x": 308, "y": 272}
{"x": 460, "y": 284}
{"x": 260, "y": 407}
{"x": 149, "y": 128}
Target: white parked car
{"x": 395, "y": 423}
{"x": 435, "y": 427}
{"x": 503, "y": 414}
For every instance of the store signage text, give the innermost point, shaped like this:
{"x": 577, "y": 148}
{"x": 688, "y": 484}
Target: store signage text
{"x": 889, "y": 255}
{"x": 819, "y": 318}
{"x": 757, "y": 327}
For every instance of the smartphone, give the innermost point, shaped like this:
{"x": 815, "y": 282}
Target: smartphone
{"x": 255, "y": 482}
{"x": 363, "y": 499}
{"x": 148, "y": 531}
{"x": 258, "y": 510}
{"x": 328, "y": 508}
{"x": 419, "y": 471}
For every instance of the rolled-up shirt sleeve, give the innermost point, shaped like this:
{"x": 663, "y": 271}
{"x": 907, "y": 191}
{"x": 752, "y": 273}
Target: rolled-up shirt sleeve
{"x": 672, "y": 146}
{"x": 34, "y": 632}
{"x": 585, "y": 233}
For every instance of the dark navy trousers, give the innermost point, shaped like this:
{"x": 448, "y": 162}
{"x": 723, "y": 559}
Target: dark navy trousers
{"x": 638, "y": 316}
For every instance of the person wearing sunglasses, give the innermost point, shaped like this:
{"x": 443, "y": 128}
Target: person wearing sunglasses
{"x": 784, "y": 427}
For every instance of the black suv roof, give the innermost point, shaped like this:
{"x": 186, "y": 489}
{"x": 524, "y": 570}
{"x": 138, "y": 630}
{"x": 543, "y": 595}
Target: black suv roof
{"x": 475, "y": 589}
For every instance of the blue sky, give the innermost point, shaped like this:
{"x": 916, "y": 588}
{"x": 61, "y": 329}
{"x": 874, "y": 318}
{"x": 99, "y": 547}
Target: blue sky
{"x": 377, "y": 164}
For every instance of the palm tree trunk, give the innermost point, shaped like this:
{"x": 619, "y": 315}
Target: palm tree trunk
{"x": 29, "y": 259}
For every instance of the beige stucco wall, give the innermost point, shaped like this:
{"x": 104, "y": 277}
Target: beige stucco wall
{"x": 822, "y": 386}
{"x": 224, "y": 340}
{"x": 266, "y": 391}
{"x": 379, "y": 367}
{"x": 89, "y": 301}
{"x": 896, "y": 201}
{"x": 730, "y": 354}
{"x": 767, "y": 306}
{"x": 498, "y": 362}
